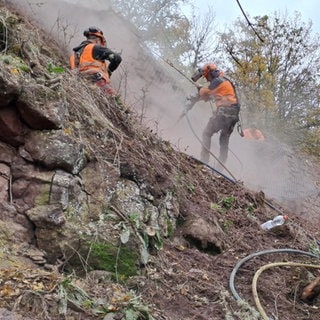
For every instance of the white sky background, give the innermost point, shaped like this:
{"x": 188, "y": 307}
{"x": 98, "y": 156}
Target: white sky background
{"x": 227, "y": 11}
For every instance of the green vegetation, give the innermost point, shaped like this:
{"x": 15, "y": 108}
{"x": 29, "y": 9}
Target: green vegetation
{"x": 191, "y": 187}
{"x": 15, "y": 63}
{"x": 54, "y": 69}
{"x": 217, "y": 207}
{"x": 43, "y": 198}
{"x": 250, "y": 208}
{"x": 170, "y": 228}
{"x": 122, "y": 261}
{"x": 134, "y": 218}
{"x": 70, "y": 293}
{"x": 227, "y": 202}
{"x": 315, "y": 249}
{"x": 227, "y": 225}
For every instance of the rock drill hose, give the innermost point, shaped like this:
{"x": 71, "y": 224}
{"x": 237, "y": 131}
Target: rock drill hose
{"x": 256, "y": 254}
{"x": 189, "y": 123}
{"x": 234, "y": 182}
{"x": 269, "y": 266}
{"x": 214, "y": 170}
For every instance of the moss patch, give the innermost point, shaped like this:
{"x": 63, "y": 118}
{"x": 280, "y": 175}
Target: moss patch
{"x": 43, "y": 197}
{"x": 121, "y": 261}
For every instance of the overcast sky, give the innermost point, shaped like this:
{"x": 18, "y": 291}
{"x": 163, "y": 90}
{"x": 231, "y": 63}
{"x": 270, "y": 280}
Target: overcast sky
{"x": 229, "y": 10}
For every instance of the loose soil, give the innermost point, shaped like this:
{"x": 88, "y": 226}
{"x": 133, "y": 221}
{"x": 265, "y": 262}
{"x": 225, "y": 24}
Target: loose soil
{"x": 190, "y": 278}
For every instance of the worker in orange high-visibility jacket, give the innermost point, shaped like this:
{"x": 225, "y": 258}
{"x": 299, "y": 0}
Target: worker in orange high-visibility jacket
{"x": 89, "y": 58}
{"x": 222, "y": 91}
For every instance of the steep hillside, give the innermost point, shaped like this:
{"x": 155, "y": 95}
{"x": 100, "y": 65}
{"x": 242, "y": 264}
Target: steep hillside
{"x": 102, "y": 219}
{"x": 157, "y": 92}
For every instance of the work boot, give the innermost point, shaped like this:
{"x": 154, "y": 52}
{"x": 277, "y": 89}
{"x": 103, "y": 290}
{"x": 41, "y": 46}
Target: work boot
{"x": 204, "y": 155}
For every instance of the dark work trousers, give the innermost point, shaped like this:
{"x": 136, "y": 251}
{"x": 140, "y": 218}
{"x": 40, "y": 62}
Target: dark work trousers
{"x": 225, "y": 119}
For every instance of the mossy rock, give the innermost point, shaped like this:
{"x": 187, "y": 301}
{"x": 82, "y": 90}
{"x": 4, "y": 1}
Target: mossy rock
{"x": 122, "y": 261}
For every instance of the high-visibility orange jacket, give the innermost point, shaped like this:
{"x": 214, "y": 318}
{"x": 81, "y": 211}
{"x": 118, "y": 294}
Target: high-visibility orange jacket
{"x": 85, "y": 62}
{"x": 222, "y": 90}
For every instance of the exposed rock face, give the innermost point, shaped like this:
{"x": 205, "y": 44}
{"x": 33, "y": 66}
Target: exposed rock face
{"x": 56, "y": 190}
{"x": 55, "y": 150}
{"x": 12, "y": 129}
{"x": 46, "y": 113}
{"x": 49, "y": 186}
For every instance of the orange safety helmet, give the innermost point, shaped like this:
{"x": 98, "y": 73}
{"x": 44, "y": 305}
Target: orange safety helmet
{"x": 94, "y": 31}
{"x": 207, "y": 68}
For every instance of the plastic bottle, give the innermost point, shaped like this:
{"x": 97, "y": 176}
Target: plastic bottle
{"x": 276, "y": 221}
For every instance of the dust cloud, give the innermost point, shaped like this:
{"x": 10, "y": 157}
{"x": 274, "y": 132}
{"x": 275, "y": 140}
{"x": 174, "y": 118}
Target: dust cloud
{"x": 158, "y": 93}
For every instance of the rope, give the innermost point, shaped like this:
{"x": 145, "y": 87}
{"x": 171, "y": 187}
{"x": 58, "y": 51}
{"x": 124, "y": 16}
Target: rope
{"x": 269, "y": 266}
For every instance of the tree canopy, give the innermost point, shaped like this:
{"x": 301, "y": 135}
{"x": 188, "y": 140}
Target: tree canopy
{"x": 277, "y": 76}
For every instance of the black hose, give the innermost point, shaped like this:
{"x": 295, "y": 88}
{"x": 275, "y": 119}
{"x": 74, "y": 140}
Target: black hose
{"x": 234, "y": 182}
{"x": 256, "y": 254}
{"x": 214, "y": 170}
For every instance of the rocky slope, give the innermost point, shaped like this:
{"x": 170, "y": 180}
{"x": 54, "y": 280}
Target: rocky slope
{"x": 102, "y": 219}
